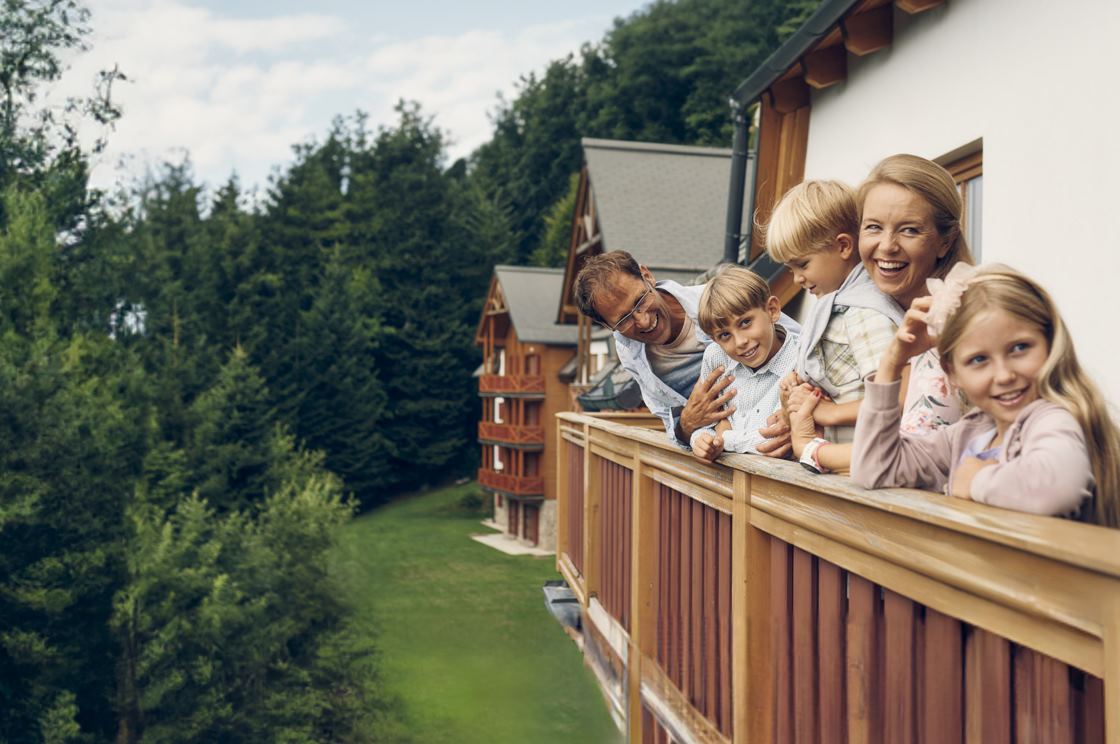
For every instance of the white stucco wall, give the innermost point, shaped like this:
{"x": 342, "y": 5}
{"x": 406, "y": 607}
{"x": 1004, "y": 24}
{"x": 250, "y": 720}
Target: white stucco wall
{"x": 1037, "y": 81}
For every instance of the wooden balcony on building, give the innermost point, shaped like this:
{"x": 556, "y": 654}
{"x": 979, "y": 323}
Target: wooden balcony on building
{"x": 752, "y": 601}
{"x": 512, "y": 386}
{"x": 514, "y": 485}
{"x": 511, "y": 435}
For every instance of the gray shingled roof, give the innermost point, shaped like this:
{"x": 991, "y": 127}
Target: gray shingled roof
{"x": 665, "y": 204}
{"x": 531, "y": 294}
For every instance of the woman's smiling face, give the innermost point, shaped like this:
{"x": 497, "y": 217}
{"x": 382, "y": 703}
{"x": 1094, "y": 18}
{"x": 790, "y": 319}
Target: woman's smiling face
{"x": 898, "y": 241}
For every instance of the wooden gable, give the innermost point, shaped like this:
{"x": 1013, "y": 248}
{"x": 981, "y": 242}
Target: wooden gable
{"x": 494, "y": 321}
{"x": 586, "y": 240}
{"x": 783, "y": 118}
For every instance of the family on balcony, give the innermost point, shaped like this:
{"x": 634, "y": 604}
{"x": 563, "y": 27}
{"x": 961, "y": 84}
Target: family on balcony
{"x": 914, "y": 368}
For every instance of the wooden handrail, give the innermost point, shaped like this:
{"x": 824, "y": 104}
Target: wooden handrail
{"x": 515, "y": 385}
{"x": 512, "y": 484}
{"x": 511, "y": 433}
{"x": 1006, "y": 599}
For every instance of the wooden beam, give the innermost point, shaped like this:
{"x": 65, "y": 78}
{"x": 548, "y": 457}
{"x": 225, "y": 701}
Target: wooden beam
{"x": 918, "y": 6}
{"x": 826, "y": 66}
{"x": 869, "y": 32}
{"x": 790, "y": 94}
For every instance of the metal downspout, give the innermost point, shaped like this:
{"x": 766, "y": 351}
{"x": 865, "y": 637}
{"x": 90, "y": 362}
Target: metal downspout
{"x": 739, "y": 156}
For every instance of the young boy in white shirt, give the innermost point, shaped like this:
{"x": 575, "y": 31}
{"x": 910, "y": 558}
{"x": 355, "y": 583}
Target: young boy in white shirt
{"x": 740, "y": 315}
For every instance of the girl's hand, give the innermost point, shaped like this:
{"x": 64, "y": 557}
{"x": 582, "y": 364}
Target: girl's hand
{"x": 708, "y": 447}
{"x": 911, "y": 338}
{"x": 961, "y": 487}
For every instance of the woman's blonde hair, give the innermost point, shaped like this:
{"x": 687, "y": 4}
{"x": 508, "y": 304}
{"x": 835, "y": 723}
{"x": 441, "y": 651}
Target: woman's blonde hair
{"x": 734, "y": 290}
{"x": 935, "y": 185}
{"x": 1060, "y": 380}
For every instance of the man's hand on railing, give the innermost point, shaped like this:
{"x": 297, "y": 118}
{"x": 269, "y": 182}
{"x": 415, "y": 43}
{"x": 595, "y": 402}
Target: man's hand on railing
{"x": 708, "y": 404}
{"x": 777, "y": 442}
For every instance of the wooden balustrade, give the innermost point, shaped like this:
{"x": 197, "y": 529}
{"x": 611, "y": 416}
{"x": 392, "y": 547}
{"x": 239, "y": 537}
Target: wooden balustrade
{"x": 523, "y": 436}
{"x": 751, "y": 601}
{"x": 512, "y": 484}
{"x": 516, "y": 386}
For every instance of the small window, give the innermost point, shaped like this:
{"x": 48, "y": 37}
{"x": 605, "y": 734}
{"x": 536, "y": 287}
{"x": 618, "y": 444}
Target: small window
{"x": 968, "y": 172}
{"x": 533, "y": 364}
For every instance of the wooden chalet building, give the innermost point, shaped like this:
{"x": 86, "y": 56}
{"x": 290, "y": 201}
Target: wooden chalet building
{"x": 665, "y": 204}
{"x": 750, "y": 602}
{"x": 524, "y": 352}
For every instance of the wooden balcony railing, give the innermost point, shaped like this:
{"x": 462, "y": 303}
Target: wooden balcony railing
{"x": 515, "y": 386}
{"x": 751, "y": 601}
{"x": 522, "y": 436}
{"x": 512, "y": 484}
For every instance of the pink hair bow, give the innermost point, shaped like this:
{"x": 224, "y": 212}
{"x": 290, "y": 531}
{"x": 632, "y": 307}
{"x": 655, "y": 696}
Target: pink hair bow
{"x": 946, "y": 295}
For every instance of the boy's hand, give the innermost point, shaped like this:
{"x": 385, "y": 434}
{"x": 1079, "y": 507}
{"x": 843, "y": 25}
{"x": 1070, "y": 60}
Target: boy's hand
{"x": 707, "y": 447}
{"x": 803, "y": 427}
{"x": 707, "y": 404}
{"x": 786, "y": 386}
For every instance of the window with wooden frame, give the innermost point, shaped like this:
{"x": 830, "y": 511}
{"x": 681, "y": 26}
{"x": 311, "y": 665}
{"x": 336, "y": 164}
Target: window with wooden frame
{"x": 968, "y": 172}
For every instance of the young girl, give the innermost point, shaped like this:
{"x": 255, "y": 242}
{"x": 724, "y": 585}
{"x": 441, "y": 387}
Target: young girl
{"x": 1039, "y": 439}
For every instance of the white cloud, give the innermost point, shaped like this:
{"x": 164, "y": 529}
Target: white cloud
{"x": 237, "y": 94}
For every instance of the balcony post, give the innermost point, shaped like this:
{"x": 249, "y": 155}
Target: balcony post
{"x": 645, "y": 525}
{"x": 592, "y": 550}
{"x": 562, "y": 506}
{"x": 1111, "y": 676}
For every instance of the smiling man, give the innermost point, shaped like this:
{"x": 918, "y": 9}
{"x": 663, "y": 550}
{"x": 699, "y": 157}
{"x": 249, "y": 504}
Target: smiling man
{"x": 660, "y": 343}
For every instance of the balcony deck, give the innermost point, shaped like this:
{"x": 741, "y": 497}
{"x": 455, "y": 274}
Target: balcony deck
{"x": 510, "y": 435}
{"x": 512, "y": 485}
{"x": 512, "y": 386}
{"x": 751, "y": 601}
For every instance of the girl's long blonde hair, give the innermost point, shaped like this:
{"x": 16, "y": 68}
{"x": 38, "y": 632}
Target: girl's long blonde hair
{"x": 1060, "y": 380}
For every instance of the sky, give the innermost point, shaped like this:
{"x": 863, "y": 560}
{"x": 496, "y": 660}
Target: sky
{"x": 237, "y": 83}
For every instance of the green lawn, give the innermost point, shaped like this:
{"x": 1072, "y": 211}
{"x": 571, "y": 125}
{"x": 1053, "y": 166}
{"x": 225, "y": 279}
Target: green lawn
{"x": 467, "y": 643}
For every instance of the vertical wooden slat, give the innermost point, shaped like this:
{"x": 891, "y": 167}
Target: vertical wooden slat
{"x": 684, "y": 596}
{"x": 696, "y": 608}
{"x": 804, "y": 647}
{"x": 725, "y": 647}
{"x": 628, "y": 588}
{"x": 830, "y": 647}
{"x": 673, "y": 614}
{"x": 1089, "y": 709}
{"x": 899, "y": 667}
{"x": 781, "y": 619}
{"x": 751, "y": 662}
{"x": 987, "y": 689}
{"x": 1043, "y": 698}
{"x": 663, "y": 574}
{"x": 941, "y": 680}
{"x": 711, "y": 617}
{"x": 862, "y": 667}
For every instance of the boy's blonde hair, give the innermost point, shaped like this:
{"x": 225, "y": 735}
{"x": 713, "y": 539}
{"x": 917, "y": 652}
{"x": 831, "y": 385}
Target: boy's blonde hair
{"x": 936, "y": 187}
{"x": 808, "y": 219}
{"x": 1060, "y": 380}
{"x": 733, "y": 291}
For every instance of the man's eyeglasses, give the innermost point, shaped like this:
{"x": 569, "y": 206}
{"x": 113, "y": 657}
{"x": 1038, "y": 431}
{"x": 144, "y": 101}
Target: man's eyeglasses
{"x": 626, "y": 322}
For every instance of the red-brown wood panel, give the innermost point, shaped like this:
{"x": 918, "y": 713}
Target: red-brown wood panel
{"x": 831, "y": 604}
{"x": 725, "y": 641}
{"x": 941, "y": 680}
{"x": 899, "y": 666}
{"x": 696, "y": 607}
{"x": 710, "y": 611}
{"x": 781, "y": 616}
{"x": 1088, "y": 709}
{"x": 672, "y": 663}
{"x": 804, "y": 647}
{"x": 575, "y": 505}
{"x": 987, "y": 688}
{"x": 862, "y": 667}
{"x": 664, "y": 617}
{"x": 684, "y": 596}
{"x": 1043, "y": 699}
{"x": 614, "y": 536}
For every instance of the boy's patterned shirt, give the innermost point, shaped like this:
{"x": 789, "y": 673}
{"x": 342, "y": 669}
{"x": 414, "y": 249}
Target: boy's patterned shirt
{"x": 853, "y": 342}
{"x": 758, "y": 393}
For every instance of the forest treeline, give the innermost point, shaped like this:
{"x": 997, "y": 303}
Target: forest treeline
{"x": 198, "y": 389}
